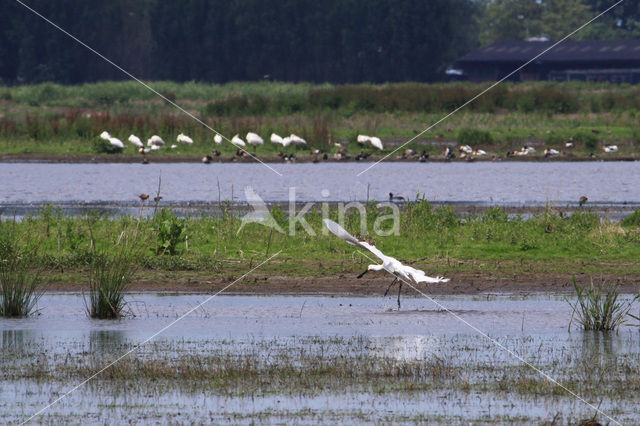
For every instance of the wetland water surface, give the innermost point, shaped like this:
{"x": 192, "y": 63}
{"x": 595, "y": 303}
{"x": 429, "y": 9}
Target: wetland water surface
{"x": 305, "y": 359}
{"x": 500, "y": 182}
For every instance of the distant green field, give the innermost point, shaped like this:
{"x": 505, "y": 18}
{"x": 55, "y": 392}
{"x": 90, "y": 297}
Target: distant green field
{"x": 56, "y": 119}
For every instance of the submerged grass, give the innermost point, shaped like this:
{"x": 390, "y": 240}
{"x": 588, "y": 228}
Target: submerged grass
{"x": 598, "y": 306}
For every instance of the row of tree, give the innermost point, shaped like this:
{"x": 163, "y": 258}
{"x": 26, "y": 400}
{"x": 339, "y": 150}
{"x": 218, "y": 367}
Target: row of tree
{"x": 336, "y": 41}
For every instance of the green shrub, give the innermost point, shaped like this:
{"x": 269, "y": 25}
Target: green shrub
{"x": 495, "y": 214}
{"x": 633, "y": 220}
{"x": 584, "y": 221}
{"x": 169, "y": 232}
{"x": 589, "y": 140}
{"x": 468, "y": 136}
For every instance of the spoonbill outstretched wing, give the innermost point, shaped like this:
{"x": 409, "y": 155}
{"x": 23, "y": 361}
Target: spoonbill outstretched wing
{"x": 392, "y": 265}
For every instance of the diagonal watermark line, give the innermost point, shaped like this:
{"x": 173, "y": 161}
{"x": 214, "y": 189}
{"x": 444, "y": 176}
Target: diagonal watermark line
{"x": 489, "y": 88}
{"x": 501, "y": 346}
{"x": 143, "y": 84}
{"x": 145, "y": 341}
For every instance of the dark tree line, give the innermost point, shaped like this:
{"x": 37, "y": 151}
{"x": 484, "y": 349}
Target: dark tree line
{"x": 339, "y": 41}
{"x": 223, "y": 40}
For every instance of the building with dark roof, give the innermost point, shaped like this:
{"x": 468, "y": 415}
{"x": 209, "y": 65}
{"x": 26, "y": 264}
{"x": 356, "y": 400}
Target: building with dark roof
{"x": 616, "y": 61}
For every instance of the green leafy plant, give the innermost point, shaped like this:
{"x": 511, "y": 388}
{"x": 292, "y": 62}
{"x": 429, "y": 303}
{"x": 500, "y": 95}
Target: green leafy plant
{"x": 169, "y": 232}
{"x": 597, "y": 306}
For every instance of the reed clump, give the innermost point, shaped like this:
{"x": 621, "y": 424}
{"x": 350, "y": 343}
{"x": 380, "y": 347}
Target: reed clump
{"x": 598, "y": 306}
{"x": 20, "y": 281}
{"x": 110, "y": 275}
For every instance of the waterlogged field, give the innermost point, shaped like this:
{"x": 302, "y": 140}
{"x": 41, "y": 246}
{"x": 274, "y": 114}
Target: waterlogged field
{"x": 246, "y": 359}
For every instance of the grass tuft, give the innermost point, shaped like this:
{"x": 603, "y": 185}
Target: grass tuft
{"x": 19, "y": 282}
{"x": 110, "y": 274}
{"x": 598, "y": 308}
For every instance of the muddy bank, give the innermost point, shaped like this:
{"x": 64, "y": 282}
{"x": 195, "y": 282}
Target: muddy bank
{"x": 461, "y": 283}
{"x": 273, "y": 158}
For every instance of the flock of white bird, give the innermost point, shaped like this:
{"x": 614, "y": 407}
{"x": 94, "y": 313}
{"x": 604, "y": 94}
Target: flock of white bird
{"x": 155, "y": 142}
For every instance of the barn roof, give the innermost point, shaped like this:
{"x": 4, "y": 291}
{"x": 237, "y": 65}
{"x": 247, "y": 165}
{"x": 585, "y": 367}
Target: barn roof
{"x": 522, "y": 51}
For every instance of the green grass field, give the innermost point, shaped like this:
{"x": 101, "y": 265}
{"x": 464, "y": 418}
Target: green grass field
{"x": 433, "y": 238}
{"x": 55, "y": 119}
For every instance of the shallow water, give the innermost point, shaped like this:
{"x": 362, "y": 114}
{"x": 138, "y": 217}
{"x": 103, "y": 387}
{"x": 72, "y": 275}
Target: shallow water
{"x": 499, "y": 182}
{"x": 533, "y": 327}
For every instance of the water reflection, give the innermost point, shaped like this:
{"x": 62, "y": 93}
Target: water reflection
{"x": 103, "y": 341}
{"x": 17, "y": 339}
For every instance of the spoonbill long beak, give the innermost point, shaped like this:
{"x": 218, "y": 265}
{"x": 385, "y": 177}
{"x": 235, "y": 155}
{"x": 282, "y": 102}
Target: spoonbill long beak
{"x": 362, "y": 274}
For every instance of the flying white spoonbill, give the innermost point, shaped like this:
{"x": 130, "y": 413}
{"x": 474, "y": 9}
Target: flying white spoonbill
{"x": 393, "y": 266}
{"x": 237, "y": 141}
{"x": 362, "y": 139}
{"x": 217, "y": 138}
{"x": 184, "y": 139}
{"x": 136, "y": 141}
{"x": 254, "y": 139}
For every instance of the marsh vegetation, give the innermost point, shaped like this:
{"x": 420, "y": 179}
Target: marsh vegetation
{"x": 56, "y": 119}
{"x": 20, "y": 274}
{"x": 430, "y": 237}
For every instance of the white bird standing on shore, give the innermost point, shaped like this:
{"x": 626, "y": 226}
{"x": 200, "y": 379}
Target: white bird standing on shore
{"x": 254, "y": 139}
{"x": 136, "y": 141}
{"x": 393, "y": 266}
{"x": 362, "y": 139}
{"x": 610, "y": 148}
{"x": 376, "y": 142}
{"x": 276, "y": 138}
{"x": 237, "y": 141}
{"x": 373, "y": 140}
{"x": 295, "y": 139}
{"x": 217, "y": 139}
{"x": 105, "y": 135}
{"x": 116, "y": 142}
{"x": 155, "y": 140}
{"x": 184, "y": 139}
